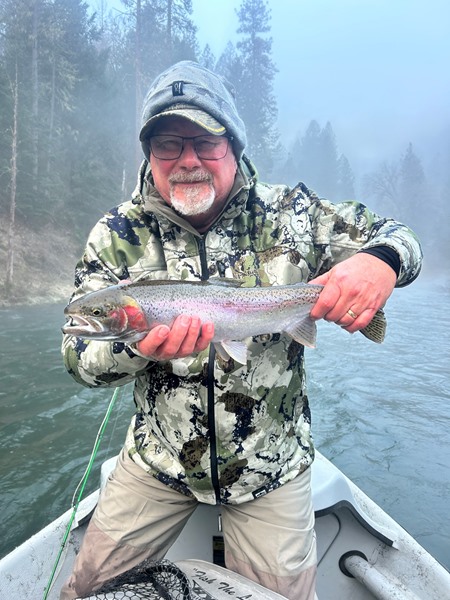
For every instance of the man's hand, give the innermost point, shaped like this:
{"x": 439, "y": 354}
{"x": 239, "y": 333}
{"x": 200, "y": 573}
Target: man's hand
{"x": 354, "y": 290}
{"x": 186, "y": 336}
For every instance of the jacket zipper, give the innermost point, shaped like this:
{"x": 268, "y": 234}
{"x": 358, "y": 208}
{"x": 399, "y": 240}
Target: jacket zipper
{"x": 210, "y": 387}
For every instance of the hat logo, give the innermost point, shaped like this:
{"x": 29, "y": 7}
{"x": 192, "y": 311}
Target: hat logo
{"x": 177, "y": 88}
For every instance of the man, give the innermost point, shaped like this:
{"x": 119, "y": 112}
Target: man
{"x": 206, "y": 429}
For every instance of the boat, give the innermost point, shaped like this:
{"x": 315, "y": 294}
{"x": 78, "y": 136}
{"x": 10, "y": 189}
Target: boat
{"x": 363, "y": 554}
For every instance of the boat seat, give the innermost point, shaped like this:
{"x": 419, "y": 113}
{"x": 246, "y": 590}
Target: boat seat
{"x": 332, "y": 490}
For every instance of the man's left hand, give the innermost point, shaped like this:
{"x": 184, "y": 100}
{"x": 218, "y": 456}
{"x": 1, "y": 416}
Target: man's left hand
{"x": 353, "y": 291}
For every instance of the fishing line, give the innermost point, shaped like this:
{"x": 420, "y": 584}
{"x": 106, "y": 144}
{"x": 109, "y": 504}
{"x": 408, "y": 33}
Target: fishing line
{"x": 111, "y": 435}
{"x": 76, "y": 498}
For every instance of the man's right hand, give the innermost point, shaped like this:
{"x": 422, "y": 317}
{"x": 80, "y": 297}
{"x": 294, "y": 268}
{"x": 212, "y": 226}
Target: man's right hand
{"x": 187, "y": 336}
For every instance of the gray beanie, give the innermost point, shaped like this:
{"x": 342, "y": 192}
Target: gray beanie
{"x": 189, "y": 90}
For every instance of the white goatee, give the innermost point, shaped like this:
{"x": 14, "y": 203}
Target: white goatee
{"x": 194, "y": 199}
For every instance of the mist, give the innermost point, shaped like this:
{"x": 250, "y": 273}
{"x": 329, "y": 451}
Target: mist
{"x": 354, "y": 99}
{"x": 378, "y": 71}
{"x": 350, "y": 97}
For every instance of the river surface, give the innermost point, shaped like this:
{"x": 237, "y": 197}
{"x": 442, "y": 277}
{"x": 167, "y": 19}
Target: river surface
{"x": 380, "y": 412}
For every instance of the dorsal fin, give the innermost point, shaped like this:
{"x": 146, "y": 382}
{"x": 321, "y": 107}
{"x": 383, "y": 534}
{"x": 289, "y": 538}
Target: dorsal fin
{"x": 225, "y": 281}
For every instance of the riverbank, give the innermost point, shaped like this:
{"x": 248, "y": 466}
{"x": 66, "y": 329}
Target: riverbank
{"x": 44, "y": 263}
{"x": 43, "y": 267}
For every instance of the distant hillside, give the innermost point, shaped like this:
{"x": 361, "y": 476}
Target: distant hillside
{"x": 44, "y": 262}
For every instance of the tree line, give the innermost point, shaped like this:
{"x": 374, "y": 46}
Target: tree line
{"x": 72, "y": 84}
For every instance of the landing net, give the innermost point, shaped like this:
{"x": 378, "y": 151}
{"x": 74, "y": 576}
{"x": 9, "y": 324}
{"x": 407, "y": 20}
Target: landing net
{"x": 150, "y": 580}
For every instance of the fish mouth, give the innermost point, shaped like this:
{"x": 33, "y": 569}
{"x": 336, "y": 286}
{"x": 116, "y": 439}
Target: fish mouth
{"x": 78, "y": 325}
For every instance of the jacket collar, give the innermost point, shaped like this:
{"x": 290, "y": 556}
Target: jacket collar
{"x": 146, "y": 194}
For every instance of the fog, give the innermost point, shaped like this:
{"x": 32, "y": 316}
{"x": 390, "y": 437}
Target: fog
{"x": 379, "y": 70}
{"x": 372, "y": 76}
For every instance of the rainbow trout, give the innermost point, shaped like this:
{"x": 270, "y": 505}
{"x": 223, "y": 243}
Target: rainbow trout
{"x": 127, "y": 312}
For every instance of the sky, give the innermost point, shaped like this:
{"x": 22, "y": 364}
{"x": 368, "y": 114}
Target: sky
{"x": 378, "y": 70}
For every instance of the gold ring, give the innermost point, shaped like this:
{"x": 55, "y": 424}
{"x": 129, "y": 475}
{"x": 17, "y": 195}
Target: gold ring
{"x": 352, "y": 314}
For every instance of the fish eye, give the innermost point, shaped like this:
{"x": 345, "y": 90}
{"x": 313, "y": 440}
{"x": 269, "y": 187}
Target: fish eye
{"x": 96, "y": 312}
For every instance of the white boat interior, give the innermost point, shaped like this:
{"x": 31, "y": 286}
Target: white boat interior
{"x": 363, "y": 554}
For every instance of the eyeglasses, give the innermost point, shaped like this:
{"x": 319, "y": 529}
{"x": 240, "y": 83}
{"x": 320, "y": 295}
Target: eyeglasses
{"x": 207, "y": 147}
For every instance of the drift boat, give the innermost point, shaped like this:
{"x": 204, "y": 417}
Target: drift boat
{"x": 363, "y": 554}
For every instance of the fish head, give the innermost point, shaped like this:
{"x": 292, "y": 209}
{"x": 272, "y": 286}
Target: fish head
{"x": 103, "y": 316}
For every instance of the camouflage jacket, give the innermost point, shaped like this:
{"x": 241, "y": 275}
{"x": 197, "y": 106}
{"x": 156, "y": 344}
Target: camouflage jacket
{"x": 219, "y": 431}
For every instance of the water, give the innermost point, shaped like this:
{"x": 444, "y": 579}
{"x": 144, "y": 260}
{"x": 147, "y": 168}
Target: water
{"x": 380, "y": 413}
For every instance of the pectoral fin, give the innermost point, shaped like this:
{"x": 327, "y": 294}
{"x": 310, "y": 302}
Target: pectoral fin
{"x": 232, "y": 349}
{"x": 304, "y": 332}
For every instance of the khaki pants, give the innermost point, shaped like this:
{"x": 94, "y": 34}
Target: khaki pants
{"x": 270, "y": 540}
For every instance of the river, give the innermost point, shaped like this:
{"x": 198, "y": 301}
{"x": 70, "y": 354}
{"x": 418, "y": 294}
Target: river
{"x": 380, "y": 412}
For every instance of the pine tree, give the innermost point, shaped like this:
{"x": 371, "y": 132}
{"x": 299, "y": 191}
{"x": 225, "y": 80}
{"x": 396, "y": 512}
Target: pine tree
{"x": 346, "y": 180}
{"x": 442, "y": 239}
{"x": 207, "y": 58}
{"x": 309, "y": 157}
{"x": 16, "y": 44}
{"x": 256, "y": 100}
{"x": 290, "y": 171}
{"x": 413, "y": 190}
{"x": 157, "y": 33}
{"x": 228, "y": 65}
{"x": 328, "y": 163}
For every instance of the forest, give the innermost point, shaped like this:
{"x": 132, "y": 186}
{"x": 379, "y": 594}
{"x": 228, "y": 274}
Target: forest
{"x": 72, "y": 82}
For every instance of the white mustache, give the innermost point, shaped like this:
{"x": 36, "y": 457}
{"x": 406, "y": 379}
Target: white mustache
{"x": 190, "y": 177}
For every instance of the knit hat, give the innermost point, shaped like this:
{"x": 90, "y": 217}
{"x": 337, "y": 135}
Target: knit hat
{"x": 189, "y": 90}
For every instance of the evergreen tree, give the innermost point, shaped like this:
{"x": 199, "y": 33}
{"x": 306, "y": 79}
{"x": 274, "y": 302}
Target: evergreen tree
{"x": 6, "y": 126}
{"x": 328, "y": 163}
{"x": 181, "y": 30}
{"x": 289, "y": 171}
{"x": 442, "y": 239}
{"x": 16, "y": 44}
{"x": 170, "y": 36}
{"x": 228, "y": 65}
{"x": 207, "y": 58}
{"x": 60, "y": 87}
{"x": 309, "y": 156}
{"x": 313, "y": 159}
{"x": 255, "y": 97}
{"x": 346, "y": 180}
{"x": 413, "y": 190}
{"x": 159, "y": 33}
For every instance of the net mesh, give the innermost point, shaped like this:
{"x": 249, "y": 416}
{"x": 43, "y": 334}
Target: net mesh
{"x": 161, "y": 580}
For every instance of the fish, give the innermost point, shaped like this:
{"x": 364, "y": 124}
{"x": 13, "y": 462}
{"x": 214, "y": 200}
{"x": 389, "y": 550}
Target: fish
{"x": 128, "y": 311}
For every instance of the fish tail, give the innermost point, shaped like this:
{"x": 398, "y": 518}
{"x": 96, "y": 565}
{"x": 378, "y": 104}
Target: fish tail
{"x": 376, "y": 329}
